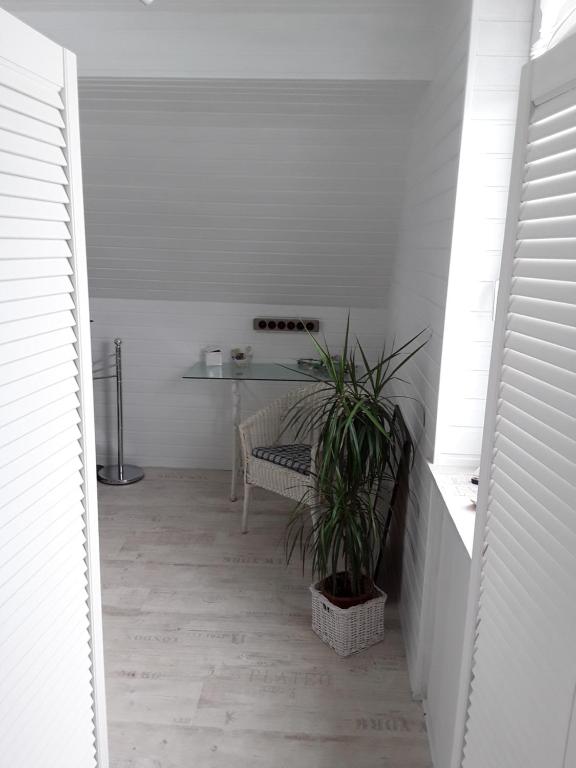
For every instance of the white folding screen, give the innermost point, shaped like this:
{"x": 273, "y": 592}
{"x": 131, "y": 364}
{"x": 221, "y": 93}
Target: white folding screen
{"x": 51, "y": 696}
{"x": 521, "y": 707}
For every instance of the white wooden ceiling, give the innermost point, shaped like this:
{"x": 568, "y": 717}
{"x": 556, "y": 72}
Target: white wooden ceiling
{"x": 332, "y": 39}
{"x": 245, "y": 191}
{"x": 242, "y": 6}
{"x": 243, "y": 150}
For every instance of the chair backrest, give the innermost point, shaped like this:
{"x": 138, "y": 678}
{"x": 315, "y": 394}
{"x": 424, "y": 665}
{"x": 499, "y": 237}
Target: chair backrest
{"x": 298, "y": 408}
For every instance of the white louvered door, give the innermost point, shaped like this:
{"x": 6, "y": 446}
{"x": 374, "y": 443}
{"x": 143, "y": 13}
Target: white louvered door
{"x": 51, "y": 695}
{"x": 521, "y": 708}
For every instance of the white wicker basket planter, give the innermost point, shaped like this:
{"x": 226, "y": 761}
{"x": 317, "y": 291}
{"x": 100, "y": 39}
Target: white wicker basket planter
{"x": 348, "y": 630}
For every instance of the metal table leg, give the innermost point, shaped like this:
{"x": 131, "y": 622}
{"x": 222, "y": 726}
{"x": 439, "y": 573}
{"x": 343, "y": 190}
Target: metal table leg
{"x": 235, "y": 424}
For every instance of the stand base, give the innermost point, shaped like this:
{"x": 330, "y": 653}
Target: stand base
{"x": 111, "y": 476}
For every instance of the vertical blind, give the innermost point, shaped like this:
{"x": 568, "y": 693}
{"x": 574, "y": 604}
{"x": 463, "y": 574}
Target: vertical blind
{"x": 521, "y": 705}
{"x": 46, "y": 705}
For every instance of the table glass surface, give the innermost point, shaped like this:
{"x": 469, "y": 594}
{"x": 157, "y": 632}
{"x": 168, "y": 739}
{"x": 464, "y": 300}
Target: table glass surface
{"x": 253, "y": 372}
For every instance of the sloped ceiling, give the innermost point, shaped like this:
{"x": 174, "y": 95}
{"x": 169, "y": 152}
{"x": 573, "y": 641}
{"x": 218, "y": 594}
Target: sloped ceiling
{"x": 332, "y": 39}
{"x": 243, "y": 150}
{"x": 246, "y": 191}
{"x": 192, "y": 6}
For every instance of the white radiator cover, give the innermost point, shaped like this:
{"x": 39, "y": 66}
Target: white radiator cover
{"x": 50, "y": 643}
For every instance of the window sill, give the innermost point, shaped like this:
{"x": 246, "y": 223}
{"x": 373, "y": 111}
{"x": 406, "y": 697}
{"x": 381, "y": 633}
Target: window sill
{"x": 459, "y": 495}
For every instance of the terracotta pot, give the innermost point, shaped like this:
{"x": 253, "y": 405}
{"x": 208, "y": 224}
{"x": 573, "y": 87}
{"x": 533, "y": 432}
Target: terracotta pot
{"x": 343, "y": 600}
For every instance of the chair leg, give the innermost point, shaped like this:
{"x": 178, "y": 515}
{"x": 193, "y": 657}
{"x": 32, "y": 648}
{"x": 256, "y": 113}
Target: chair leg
{"x": 247, "y": 491}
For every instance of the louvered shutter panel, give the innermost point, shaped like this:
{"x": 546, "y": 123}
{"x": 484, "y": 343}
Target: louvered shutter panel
{"x": 521, "y": 711}
{"x": 49, "y": 655}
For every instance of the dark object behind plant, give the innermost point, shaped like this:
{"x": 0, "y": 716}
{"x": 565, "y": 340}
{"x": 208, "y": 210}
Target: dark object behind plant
{"x": 388, "y": 574}
{"x": 361, "y": 439}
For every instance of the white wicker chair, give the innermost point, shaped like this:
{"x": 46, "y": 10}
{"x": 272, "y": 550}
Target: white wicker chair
{"x": 265, "y": 429}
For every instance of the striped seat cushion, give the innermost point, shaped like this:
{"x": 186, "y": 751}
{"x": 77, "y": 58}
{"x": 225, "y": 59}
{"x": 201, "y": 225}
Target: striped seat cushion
{"x": 296, "y": 457}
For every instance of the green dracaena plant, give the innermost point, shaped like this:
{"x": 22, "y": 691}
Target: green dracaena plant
{"x": 361, "y": 437}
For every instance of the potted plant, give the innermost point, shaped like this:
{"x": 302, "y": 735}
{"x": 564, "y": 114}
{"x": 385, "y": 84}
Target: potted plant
{"x": 361, "y": 437}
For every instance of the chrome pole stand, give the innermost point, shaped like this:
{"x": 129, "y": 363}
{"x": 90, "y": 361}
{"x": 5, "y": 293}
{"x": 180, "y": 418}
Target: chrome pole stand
{"x": 120, "y": 473}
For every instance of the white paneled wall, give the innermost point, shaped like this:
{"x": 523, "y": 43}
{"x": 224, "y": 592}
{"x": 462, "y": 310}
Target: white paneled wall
{"x": 244, "y": 191}
{"x": 500, "y": 45}
{"x": 379, "y": 39}
{"x": 449, "y": 572}
{"x": 419, "y": 285}
{"x": 177, "y": 423}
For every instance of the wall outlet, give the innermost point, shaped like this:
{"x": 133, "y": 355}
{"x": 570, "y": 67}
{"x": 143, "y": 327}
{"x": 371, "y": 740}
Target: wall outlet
{"x": 286, "y": 324}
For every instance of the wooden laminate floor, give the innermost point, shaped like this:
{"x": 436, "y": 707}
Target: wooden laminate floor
{"x": 210, "y": 659}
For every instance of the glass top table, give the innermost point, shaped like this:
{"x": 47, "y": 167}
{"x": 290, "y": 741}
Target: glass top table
{"x": 253, "y": 372}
